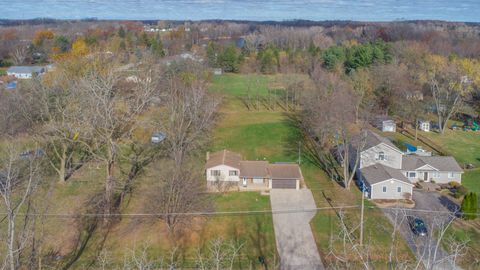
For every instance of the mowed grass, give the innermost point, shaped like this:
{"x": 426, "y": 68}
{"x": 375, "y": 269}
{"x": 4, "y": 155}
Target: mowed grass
{"x": 463, "y": 145}
{"x": 471, "y": 180}
{"x": 271, "y": 135}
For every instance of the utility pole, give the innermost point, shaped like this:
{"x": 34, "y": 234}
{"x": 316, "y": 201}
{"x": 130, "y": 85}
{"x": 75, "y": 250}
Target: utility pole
{"x": 299, "y": 152}
{"x": 361, "y": 217}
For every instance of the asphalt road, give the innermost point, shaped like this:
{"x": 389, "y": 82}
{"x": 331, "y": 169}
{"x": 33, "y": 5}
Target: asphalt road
{"x": 426, "y": 248}
{"x": 295, "y": 242}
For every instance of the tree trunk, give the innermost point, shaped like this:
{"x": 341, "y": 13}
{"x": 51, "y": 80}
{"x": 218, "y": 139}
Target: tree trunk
{"x": 63, "y": 164}
{"x": 109, "y": 184}
{"x": 11, "y": 240}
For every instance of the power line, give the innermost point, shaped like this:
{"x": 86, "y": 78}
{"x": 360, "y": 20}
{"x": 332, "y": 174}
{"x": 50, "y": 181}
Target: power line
{"x": 225, "y": 213}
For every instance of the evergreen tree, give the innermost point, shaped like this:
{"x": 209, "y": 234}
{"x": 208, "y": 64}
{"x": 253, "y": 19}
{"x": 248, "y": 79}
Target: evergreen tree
{"x": 228, "y": 60}
{"x": 121, "y": 32}
{"x": 469, "y": 206}
{"x": 212, "y": 55}
{"x": 62, "y": 43}
{"x": 333, "y": 56}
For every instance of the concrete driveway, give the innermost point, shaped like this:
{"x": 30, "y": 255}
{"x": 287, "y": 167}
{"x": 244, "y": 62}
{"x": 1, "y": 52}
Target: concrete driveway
{"x": 295, "y": 242}
{"x": 427, "y": 249}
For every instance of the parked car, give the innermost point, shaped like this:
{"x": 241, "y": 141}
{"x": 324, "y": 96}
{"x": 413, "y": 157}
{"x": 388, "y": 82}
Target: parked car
{"x": 158, "y": 137}
{"x": 417, "y": 226}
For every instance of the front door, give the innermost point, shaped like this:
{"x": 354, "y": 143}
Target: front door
{"x": 425, "y": 176}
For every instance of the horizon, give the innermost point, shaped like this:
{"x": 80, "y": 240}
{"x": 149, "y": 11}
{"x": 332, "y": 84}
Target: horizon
{"x": 265, "y": 11}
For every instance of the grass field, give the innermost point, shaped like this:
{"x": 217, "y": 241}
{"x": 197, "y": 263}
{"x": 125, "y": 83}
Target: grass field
{"x": 463, "y": 145}
{"x": 266, "y": 134}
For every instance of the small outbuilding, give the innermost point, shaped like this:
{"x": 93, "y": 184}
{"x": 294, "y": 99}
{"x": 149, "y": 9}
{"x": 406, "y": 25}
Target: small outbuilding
{"x": 385, "y": 124}
{"x": 424, "y": 125}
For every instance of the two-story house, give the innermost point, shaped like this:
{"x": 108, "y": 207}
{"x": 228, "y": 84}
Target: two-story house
{"x": 385, "y": 172}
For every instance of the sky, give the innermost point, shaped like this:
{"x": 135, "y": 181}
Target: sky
{"x": 279, "y": 10}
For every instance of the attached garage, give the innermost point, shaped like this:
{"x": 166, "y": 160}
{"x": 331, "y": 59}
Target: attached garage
{"x": 284, "y": 183}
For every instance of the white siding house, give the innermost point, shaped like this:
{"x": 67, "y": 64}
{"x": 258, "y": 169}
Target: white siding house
{"x": 382, "y": 153}
{"x": 387, "y": 173}
{"x": 25, "y": 72}
{"x": 223, "y": 173}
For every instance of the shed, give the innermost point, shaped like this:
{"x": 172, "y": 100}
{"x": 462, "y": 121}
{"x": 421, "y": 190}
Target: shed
{"x": 385, "y": 124}
{"x": 424, "y": 125}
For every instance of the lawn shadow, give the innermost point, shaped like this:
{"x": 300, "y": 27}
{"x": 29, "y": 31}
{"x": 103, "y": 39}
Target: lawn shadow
{"x": 310, "y": 152}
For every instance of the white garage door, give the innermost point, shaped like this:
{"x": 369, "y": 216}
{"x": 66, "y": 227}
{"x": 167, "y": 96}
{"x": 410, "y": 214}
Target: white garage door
{"x": 258, "y": 180}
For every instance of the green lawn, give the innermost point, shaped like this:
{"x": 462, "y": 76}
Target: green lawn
{"x": 234, "y": 85}
{"x": 266, "y": 134}
{"x": 463, "y": 145}
{"x": 471, "y": 180}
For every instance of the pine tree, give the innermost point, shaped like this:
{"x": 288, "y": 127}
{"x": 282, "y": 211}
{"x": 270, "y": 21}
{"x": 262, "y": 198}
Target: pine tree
{"x": 469, "y": 206}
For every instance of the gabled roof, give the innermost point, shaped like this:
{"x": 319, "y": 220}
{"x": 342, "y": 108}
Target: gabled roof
{"x": 378, "y": 173}
{"x": 372, "y": 139}
{"x": 254, "y": 169}
{"x": 284, "y": 171}
{"x": 224, "y": 157}
{"x": 441, "y": 163}
{"x": 25, "y": 69}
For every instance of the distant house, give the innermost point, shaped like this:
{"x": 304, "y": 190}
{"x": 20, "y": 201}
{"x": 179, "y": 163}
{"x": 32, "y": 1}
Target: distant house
{"x": 217, "y": 71}
{"x": 424, "y": 125}
{"x": 385, "y": 172}
{"x": 229, "y": 167}
{"x": 385, "y": 124}
{"x": 25, "y": 72}
{"x": 415, "y": 95}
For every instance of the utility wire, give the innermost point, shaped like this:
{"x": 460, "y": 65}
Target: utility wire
{"x": 225, "y": 213}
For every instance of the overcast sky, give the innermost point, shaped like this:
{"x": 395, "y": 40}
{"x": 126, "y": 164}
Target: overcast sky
{"x": 363, "y": 10}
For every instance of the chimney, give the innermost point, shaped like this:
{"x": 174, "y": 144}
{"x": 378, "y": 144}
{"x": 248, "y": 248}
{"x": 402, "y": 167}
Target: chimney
{"x": 208, "y": 155}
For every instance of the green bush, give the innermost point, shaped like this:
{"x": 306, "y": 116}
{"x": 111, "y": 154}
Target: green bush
{"x": 469, "y": 206}
{"x": 454, "y": 184}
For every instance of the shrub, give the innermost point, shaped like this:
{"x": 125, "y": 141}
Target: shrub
{"x": 469, "y": 206}
{"x": 454, "y": 184}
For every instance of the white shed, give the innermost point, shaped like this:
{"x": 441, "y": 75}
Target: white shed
{"x": 424, "y": 125}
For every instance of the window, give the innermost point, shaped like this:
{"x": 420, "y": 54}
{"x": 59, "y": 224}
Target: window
{"x": 233, "y": 173}
{"x": 384, "y": 189}
{"x": 215, "y": 173}
{"x": 451, "y": 174}
{"x": 381, "y": 156}
{"x": 399, "y": 189}
{"x": 412, "y": 174}
{"x": 436, "y": 175}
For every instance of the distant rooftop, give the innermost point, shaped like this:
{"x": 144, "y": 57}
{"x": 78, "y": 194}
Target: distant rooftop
{"x": 25, "y": 69}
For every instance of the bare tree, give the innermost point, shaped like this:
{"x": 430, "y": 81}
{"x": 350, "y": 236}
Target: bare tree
{"x": 19, "y": 55}
{"x": 190, "y": 114}
{"x": 219, "y": 254}
{"x": 59, "y": 131}
{"x": 112, "y": 107}
{"x": 328, "y": 115}
{"x": 449, "y": 88}
{"x": 178, "y": 192}
{"x": 19, "y": 180}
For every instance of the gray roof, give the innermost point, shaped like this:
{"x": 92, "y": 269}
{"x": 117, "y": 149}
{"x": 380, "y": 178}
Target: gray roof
{"x": 254, "y": 169}
{"x": 224, "y": 157}
{"x": 372, "y": 139}
{"x": 285, "y": 171}
{"x": 441, "y": 163}
{"x": 26, "y": 69}
{"x": 377, "y": 173}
